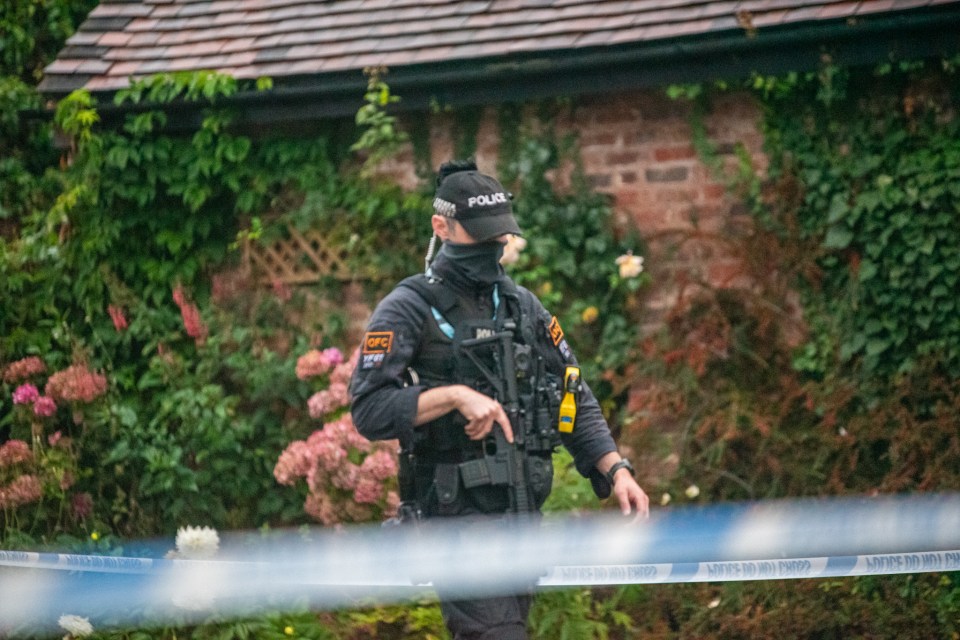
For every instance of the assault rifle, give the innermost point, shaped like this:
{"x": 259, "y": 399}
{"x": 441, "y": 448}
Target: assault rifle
{"x": 503, "y": 463}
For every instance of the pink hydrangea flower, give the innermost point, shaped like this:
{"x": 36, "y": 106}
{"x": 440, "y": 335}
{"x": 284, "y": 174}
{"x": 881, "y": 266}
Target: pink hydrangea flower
{"x": 340, "y": 490}
{"x": 317, "y": 363}
{"x": 346, "y": 476}
{"x": 54, "y": 438}
{"x": 44, "y": 406}
{"x": 294, "y": 462}
{"x": 76, "y": 384}
{"x": 23, "y": 369}
{"x": 344, "y": 371}
{"x": 23, "y": 490}
{"x": 368, "y": 491}
{"x": 319, "y": 507}
{"x": 25, "y": 394}
{"x": 14, "y": 452}
{"x": 379, "y": 465}
{"x": 333, "y": 355}
{"x": 323, "y": 402}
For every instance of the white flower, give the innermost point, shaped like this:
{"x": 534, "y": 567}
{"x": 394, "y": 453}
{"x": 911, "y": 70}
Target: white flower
{"x": 713, "y": 604}
{"x": 692, "y": 491}
{"x": 511, "y": 252}
{"x": 75, "y": 626}
{"x": 197, "y": 542}
{"x": 630, "y": 265}
{"x": 665, "y": 499}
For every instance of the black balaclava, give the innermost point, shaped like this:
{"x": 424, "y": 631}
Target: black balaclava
{"x": 478, "y": 263}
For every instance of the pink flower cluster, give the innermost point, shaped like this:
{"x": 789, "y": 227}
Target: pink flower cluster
{"x": 323, "y": 402}
{"x": 43, "y": 406}
{"x": 14, "y": 452}
{"x": 23, "y": 369}
{"x": 23, "y": 474}
{"x": 329, "y": 361}
{"x": 76, "y": 383}
{"x": 25, "y": 394}
{"x": 22, "y": 490}
{"x": 341, "y": 489}
{"x": 192, "y": 322}
{"x": 317, "y": 363}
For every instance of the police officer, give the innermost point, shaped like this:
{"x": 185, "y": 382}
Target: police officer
{"x": 415, "y": 382}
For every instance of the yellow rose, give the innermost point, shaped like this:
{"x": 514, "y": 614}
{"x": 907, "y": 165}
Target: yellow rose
{"x": 630, "y": 265}
{"x": 590, "y": 315}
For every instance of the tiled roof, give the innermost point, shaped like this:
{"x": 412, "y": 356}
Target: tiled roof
{"x": 297, "y": 38}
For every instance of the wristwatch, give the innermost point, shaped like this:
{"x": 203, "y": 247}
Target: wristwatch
{"x": 622, "y": 464}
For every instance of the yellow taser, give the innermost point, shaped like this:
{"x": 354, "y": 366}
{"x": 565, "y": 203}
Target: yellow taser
{"x": 568, "y": 406}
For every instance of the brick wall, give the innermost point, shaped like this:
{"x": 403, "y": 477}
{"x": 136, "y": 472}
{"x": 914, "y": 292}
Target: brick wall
{"x": 637, "y": 147}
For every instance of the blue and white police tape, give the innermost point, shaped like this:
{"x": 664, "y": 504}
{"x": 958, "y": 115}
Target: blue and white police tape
{"x": 332, "y": 569}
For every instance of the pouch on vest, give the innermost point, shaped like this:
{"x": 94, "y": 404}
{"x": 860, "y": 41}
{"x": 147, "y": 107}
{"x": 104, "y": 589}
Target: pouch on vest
{"x": 446, "y": 482}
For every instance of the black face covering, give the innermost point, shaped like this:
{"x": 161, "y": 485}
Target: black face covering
{"x": 478, "y": 263}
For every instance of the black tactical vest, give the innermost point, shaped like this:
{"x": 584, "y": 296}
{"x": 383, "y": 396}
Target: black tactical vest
{"x": 442, "y": 444}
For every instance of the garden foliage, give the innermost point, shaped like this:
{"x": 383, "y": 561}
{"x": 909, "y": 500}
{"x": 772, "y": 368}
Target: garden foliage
{"x": 834, "y": 371}
{"x": 149, "y": 384}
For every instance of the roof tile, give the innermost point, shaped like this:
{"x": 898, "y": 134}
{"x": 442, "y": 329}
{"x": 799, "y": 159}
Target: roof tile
{"x": 769, "y": 18}
{"x": 93, "y": 66}
{"x": 114, "y": 23}
{"x": 61, "y": 65}
{"x": 143, "y": 24}
{"x": 124, "y": 68}
{"x": 84, "y": 37}
{"x": 145, "y": 39}
{"x": 237, "y": 44}
{"x": 109, "y": 10}
{"x": 114, "y": 39}
{"x": 73, "y": 51}
{"x": 141, "y": 53}
{"x": 839, "y": 10}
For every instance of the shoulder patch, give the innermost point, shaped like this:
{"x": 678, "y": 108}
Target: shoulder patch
{"x": 376, "y": 346}
{"x": 556, "y": 333}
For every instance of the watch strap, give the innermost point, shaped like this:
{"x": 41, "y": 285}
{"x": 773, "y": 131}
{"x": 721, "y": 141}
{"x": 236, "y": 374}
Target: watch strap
{"x": 621, "y": 464}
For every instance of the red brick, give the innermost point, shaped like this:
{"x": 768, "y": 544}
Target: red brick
{"x": 623, "y": 157}
{"x": 667, "y": 154}
{"x": 714, "y": 192}
{"x": 667, "y": 174}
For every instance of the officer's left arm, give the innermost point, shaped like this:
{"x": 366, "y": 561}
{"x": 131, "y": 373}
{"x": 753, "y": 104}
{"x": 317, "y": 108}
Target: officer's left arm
{"x": 591, "y": 443}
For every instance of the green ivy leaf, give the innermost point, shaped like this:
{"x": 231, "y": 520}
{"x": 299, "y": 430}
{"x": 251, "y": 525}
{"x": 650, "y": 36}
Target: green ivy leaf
{"x": 838, "y": 208}
{"x": 838, "y": 237}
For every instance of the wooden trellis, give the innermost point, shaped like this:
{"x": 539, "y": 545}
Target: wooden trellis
{"x": 300, "y": 258}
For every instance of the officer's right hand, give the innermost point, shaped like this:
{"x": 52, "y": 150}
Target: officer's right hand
{"x": 481, "y": 412}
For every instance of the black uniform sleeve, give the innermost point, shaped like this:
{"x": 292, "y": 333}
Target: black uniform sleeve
{"x": 591, "y": 438}
{"x": 384, "y": 406}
